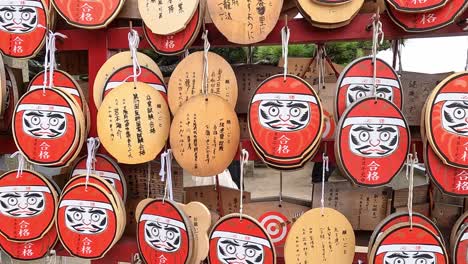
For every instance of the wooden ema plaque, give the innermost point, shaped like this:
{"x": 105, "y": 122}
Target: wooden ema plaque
{"x": 31, "y": 250}
{"x": 446, "y": 123}
{"x": 329, "y": 126}
{"x": 186, "y": 80}
{"x": 24, "y": 27}
{"x": 10, "y": 100}
{"x": 459, "y": 224}
{"x": 450, "y": 180}
{"x": 165, "y": 233}
{"x": 320, "y": 238}
{"x": 240, "y": 240}
{"x": 429, "y": 20}
{"x": 88, "y": 14}
{"x": 3, "y": 88}
{"x": 48, "y": 127}
{"x": 402, "y": 243}
{"x": 116, "y": 62}
{"x": 133, "y": 123}
{"x": 27, "y": 204}
{"x": 205, "y": 135}
{"x": 245, "y": 22}
{"x": 328, "y": 14}
{"x": 285, "y": 120}
{"x": 372, "y": 142}
{"x": 416, "y": 6}
{"x": 356, "y": 82}
{"x": 177, "y": 43}
{"x": 165, "y": 17}
{"x": 460, "y": 252}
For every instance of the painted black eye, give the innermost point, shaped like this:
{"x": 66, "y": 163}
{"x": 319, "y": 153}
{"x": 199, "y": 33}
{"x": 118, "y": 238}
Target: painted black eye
{"x": 250, "y": 252}
{"x": 273, "y": 111}
{"x": 295, "y": 111}
{"x": 364, "y": 136}
{"x": 12, "y": 201}
{"x": 155, "y": 231}
{"x": 360, "y": 94}
{"x": 231, "y": 249}
{"x": 421, "y": 261}
{"x": 459, "y": 113}
{"x": 95, "y": 217}
{"x": 170, "y": 235}
{"x": 77, "y": 216}
{"x": 381, "y": 95}
{"x": 399, "y": 261}
{"x": 8, "y": 15}
{"x": 32, "y": 200}
{"x": 53, "y": 121}
{"x": 35, "y": 120}
{"x": 384, "y": 136}
{"x": 25, "y": 16}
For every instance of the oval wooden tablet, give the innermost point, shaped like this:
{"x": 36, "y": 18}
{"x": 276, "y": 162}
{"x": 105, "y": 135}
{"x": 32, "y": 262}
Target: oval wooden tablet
{"x": 356, "y": 82}
{"x": 450, "y": 180}
{"x": 164, "y": 232}
{"x": 88, "y": 14}
{"x": 118, "y": 61}
{"x": 329, "y": 126}
{"x": 460, "y": 223}
{"x": 285, "y": 119}
{"x": 133, "y": 123}
{"x": 416, "y": 6}
{"x": 402, "y": 244}
{"x": 87, "y": 221}
{"x": 106, "y": 168}
{"x": 179, "y": 42}
{"x": 328, "y": 14}
{"x": 23, "y": 28}
{"x": 3, "y": 88}
{"x": 245, "y": 22}
{"x": 430, "y": 20}
{"x": 186, "y": 80}
{"x": 11, "y": 99}
{"x": 320, "y": 238}
{"x": 277, "y": 226}
{"x": 372, "y": 142}
{"x": 240, "y": 240}
{"x": 205, "y": 135}
{"x": 403, "y": 217}
{"x": 447, "y": 120}
{"x": 31, "y": 250}
{"x": 27, "y": 206}
{"x": 166, "y": 17}
{"x": 47, "y": 127}
{"x": 460, "y": 252}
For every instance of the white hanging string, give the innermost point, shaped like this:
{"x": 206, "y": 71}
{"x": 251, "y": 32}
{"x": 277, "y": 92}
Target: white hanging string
{"x": 285, "y": 34}
{"x": 244, "y": 158}
{"x": 92, "y": 146}
{"x": 206, "y": 48}
{"x": 411, "y": 161}
{"x": 281, "y": 189}
{"x": 133, "y": 43}
{"x": 46, "y": 65}
{"x": 51, "y": 257}
{"x": 377, "y": 40}
{"x": 166, "y": 174}
{"x": 49, "y": 60}
{"x": 148, "y": 180}
{"x": 136, "y": 259}
{"x": 186, "y": 53}
{"x": 21, "y": 162}
{"x": 325, "y": 169}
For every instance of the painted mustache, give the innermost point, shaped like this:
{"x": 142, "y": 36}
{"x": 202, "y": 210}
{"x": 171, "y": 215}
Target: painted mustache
{"x": 233, "y": 260}
{"x": 168, "y": 246}
{"x": 461, "y": 128}
{"x": 19, "y": 211}
{"x": 274, "y": 124}
{"x": 90, "y": 228}
{"x": 40, "y": 132}
{"x": 23, "y": 27}
{"x": 367, "y": 150}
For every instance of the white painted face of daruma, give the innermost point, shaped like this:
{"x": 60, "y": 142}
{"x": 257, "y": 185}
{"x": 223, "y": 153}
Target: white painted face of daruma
{"x": 18, "y": 18}
{"x": 455, "y": 117}
{"x": 373, "y": 140}
{"x": 410, "y": 257}
{"x": 359, "y": 91}
{"x": 286, "y": 116}
{"x": 44, "y": 124}
{"x": 163, "y": 237}
{"x": 234, "y": 251}
{"x": 21, "y": 204}
{"x": 86, "y": 220}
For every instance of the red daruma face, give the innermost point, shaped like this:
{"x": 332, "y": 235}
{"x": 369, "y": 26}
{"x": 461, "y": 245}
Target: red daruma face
{"x": 17, "y": 18}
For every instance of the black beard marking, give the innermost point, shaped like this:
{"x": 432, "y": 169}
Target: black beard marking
{"x": 394, "y": 141}
{"x": 220, "y": 249}
{"x": 304, "y": 117}
{"x": 3, "y": 204}
{"x": 448, "y": 117}
{"x": 354, "y": 140}
{"x": 26, "y": 122}
{"x": 33, "y": 21}
{"x": 1, "y": 19}
{"x": 259, "y": 258}
{"x": 264, "y": 115}
{"x": 350, "y": 99}
{"x": 70, "y": 219}
{"x": 40, "y": 204}
{"x": 62, "y": 126}
{"x": 148, "y": 233}
{"x": 177, "y": 241}
{"x": 103, "y": 222}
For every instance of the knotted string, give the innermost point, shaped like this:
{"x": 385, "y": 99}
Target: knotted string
{"x": 166, "y": 174}
{"x": 377, "y": 40}
{"x": 50, "y": 61}
{"x": 21, "y": 162}
{"x": 92, "y": 146}
{"x": 285, "y": 34}
{"x": 325, "y": 169}
{"x": 244, "y": 158}
{"x": 206, "y": 48}
{"x": 133, "y": 43}
{"x": 411, "y": 161}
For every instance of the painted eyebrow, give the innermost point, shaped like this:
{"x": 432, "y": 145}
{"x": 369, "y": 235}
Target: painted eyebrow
{"x": 7, "y": 9}
{"x": 230, "y": 243}
{"x": 154, "y": 224}
{"x": 453, "y": 105}
{"x": 55, "y": 115}
{"x": 29, "y": 10}
{"x": 34, "y": 114}
{"x": 397, "y": 255}
{"x": 360, "y": 88}
{"x": 33, "y": 195}
{"x": 299, "y": 105}
{"x": 77, "y": 210}
{"x": 252, "y": 247}
{"x": 384, "y": 89}
{"x": 8, "y": 195}
{"x": 273, "y": 104}
{"x": 363, "y": 128}
{"x": 97, "y": 212}
{"x": 386, "y": 129}
{"x": 426, "y": 256}
{"x": 171, "y": 229}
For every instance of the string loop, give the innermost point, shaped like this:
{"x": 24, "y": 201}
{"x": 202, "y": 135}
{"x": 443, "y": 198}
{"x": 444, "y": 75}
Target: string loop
{"x": 285, "y": 34}
{"x": 21, "y": 162}
{"x": 377, "y": 40}
{"x": 206, "y": 49}
{"x": 411, "y": 162}
{"x": 244, "y": 158}
{"x": 49, "y": 60}
{"x": 92, "y": 147}
{"x": 133, "y": 43}
{"x": 325, "y": 169}
{"x": 166, "y": 174}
